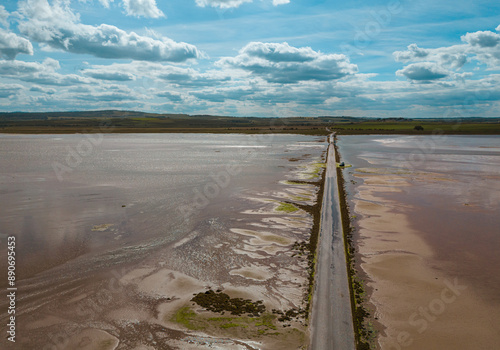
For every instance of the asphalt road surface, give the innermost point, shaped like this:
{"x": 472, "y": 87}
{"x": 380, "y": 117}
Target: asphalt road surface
{"x": 331, "y": 318}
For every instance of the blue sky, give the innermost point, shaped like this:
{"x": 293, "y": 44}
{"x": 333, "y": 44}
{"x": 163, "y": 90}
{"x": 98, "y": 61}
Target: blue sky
{"x": 395, "y": 58}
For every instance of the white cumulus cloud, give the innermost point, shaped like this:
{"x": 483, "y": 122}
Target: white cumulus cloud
{"x": 452, "y": 57}
{"x": 175, "y": 75}
{"x": 40, "y": 73}
{"x": 105, "y": 3}
{"x": 4, "y": 15}
{"x": 285, "y": 64}
{"x": 482, "y": 39}
{"x": 424, "y": 71}
{"x": 58, "y": 27}
{"x": 482, "y": 46}
{"x": 223, "y": 4}
{"x": 280, "y": 2}
{"x": 485, "y": 46}
{"x": 47, "y": 91}
{"x": 226, "y": 4}
{"x": 142, "y": 8}
{"x": 12, "y": 44}
{"x": 103, "y": 74}
{"x": 8, "y": 90}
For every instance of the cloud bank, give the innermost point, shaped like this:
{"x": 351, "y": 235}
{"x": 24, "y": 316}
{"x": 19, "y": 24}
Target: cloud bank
{"x": 285, "y": 64}
{"x": 435, "y": 64}
{"x": 41, "y": 73}
{"x": 58, "y": 27}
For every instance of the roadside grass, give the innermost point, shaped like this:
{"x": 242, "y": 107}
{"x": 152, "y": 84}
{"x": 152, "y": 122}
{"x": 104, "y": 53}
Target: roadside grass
{"x": 316, "y": 170}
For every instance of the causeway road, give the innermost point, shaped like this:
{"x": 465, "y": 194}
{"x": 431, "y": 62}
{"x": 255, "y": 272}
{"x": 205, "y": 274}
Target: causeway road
{"x": 331, "y": 318}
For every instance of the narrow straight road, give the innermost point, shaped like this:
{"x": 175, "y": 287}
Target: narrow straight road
{"x": 331, "y": 318}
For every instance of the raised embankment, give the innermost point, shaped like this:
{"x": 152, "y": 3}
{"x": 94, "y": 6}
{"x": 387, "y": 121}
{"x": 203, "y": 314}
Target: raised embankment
{"x": 331, "y": 314}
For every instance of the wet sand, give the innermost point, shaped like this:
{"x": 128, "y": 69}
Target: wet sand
{"x": 427, "y": 240}
{"x": 136, "y": 293}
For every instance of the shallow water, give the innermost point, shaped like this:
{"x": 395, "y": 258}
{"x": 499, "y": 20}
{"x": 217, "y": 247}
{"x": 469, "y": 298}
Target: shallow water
{"x": 56, "y": 189}
{"x": 456, "y": 195}
{"x": 448, "y": 188}
{"x": 83, "y": 207}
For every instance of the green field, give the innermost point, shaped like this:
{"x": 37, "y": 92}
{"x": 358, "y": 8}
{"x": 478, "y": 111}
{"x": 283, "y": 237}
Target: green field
{"x": 138, "y": 122}
{"x": 408, "y": 127}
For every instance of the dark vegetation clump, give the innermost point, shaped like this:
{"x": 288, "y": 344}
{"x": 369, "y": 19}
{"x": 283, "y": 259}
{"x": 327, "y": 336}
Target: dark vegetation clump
{"x": 221, "y": 302}
{"x": 301, "y": 248}
{"x": 288, "y": 315}
{"x": 418, "y": 128}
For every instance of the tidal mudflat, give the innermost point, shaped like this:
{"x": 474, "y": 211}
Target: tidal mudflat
{"x": 116, "y": 234}
{"x": 426, "y": 212}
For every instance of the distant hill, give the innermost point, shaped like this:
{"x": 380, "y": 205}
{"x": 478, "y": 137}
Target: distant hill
{"x": 78, "y": 114}
{"x": 133, "y": 122}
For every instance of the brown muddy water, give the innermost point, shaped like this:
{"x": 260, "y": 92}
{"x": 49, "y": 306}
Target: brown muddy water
{"x": 115, "y": 233}
{"x": 427, "y": 216}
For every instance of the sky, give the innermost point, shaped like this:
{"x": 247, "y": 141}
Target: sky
{"x": 281, "y": 58}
